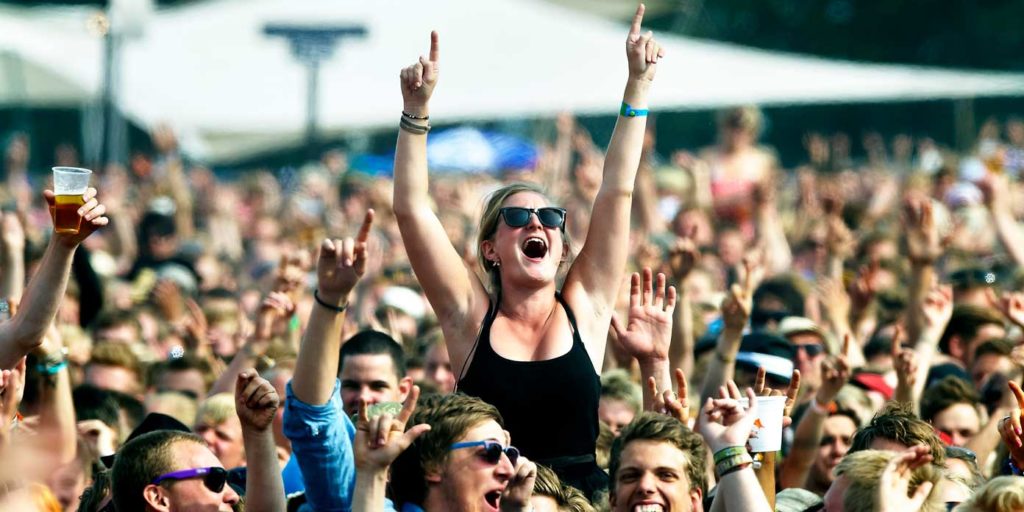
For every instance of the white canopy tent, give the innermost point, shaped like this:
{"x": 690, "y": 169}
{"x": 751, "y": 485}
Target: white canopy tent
{"x": 209, "y": 70}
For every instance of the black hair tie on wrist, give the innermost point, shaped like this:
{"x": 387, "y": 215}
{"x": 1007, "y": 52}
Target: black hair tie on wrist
{"x": 336, "y": 309}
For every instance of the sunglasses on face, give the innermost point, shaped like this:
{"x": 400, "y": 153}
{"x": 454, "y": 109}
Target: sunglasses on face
{"x": 213, "y": 478}
{"x": 549, "y": 217}
{"x": 492, "y": 451}
{"x": 812, "y": 349}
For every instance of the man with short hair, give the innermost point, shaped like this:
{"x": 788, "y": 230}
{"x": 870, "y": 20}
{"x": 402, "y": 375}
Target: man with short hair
{"x": 218, "y": 425}
{"x": 856, "y": 487}
{"x": 372, "y": 369}
{"x": 188, "y": 375}
{"x": 659, "y": 462}
{"x": 968, "y": 328}
{"x": 620, "y": 400}
{"x": 170, "y": 470}
{"x": 457, "y": 456}
{"x": 811, "y": 348}
{"x": 650, "y": 447}
{"x": 896, "y": 428}
{"x": 953, "y": 408}
{"x": 114, "y": 367}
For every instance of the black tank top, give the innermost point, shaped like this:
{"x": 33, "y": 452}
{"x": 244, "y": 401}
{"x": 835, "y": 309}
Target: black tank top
{"x": 549, "y": 407}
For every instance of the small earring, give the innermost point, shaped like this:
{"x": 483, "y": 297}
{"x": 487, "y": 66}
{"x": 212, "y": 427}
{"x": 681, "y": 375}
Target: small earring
{"x": 496, "y": 263}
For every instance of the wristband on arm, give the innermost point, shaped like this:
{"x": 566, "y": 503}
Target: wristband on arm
{"x": 628, "y": 111}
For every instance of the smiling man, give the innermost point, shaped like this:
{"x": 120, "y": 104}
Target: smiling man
{"x": 658, "y": 464}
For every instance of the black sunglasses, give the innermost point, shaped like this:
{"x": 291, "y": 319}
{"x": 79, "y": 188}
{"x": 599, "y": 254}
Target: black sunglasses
{"x": 213, "y": 478}
{"x": 492, "y": 451}
{"x": 812, "y": 349}
{"x": 549, "y": 216}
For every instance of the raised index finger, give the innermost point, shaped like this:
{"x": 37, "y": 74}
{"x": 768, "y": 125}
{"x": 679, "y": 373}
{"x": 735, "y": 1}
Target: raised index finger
{"x": 638, "y": 18}
{"x": 364, "y": 230}
{"x": 435, "y": 51}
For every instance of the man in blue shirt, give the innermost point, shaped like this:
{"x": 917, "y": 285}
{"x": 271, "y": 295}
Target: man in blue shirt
{"x": 319, "y": 405}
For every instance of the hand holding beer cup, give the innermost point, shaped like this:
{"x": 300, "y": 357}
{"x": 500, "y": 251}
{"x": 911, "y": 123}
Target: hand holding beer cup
{"x": 71, "y": 202}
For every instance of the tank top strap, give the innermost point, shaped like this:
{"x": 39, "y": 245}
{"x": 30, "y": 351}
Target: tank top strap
{"x": 572, "y": 318}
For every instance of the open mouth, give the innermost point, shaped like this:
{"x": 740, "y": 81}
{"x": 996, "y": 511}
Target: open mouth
{"x": 654, "y": 507}
{"x": 493, "y": 499}
{"x": 535, "y": 247}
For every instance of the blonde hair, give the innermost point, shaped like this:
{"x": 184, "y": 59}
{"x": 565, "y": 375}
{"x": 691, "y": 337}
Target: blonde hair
{"x": 863, "y": 469}
{"x": 1001, "y": 494}
{"x": 567, "y": 497}
{"x": 489, "y": 225}
{"x": 217, "y": 409}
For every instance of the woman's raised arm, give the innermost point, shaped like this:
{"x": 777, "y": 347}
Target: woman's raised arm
{"x": 597, "y": 271}
{"x": 454, "y": 291}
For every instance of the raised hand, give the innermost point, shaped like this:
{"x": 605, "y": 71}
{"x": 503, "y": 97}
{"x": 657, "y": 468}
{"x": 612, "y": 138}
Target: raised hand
{"x": 791, "y": 394}
{"x": 648, "y": 331}
{"x": 724, "y": 423}
{"x": 516, "y": 496}
{"x": 834, "y": 374}
{"x": 675, "y": 404}
{"x": 341, "y": 264}
{"x": 642, "y": 51}
{"x": 684, "y": 256}
{"x": 923, "y": 243}
{"x": 101, "y": 437}
{"x": 276, "y": 308}
{"x": 1010, "y": 304}
{"x": 379, "y": 440}
{"x": 739, "y": 301}
{"x": 1010, "y": 427}
{"x": 419, "y": 79}
{"x": 937, "y": 309}
{"x": 894, "y": 484}
{"x": 904, "y": 361}
{"x": 256, "y": 401}
{"x": 92, "y": 213}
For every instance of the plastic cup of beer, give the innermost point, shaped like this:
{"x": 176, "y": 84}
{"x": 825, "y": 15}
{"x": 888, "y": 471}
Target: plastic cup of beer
{"x": 766, "y": 436}
{"x": 69, "y": 184}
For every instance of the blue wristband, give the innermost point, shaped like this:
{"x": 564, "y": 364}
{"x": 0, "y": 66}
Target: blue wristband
{"x": 52, "y": 369}
{"x": 628, "y": 111}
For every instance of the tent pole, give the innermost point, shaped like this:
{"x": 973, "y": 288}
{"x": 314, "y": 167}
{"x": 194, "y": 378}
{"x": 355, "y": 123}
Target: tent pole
{"x": 964, "y": 123}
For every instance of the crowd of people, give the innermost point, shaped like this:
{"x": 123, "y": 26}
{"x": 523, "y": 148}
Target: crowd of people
{"x": 601, "y": 332}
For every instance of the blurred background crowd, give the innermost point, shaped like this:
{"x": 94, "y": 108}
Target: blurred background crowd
{"x": 210, "y": 251}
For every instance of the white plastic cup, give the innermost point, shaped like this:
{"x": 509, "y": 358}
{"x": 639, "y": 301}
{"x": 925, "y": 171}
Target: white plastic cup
{"x": 766, "y": 436}
{"x": 70, "y": 181}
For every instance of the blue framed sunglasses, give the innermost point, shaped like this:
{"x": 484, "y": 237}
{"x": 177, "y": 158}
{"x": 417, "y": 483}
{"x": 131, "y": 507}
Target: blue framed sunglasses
{"x": 492, "y": 450}
{"x": 549, "y": 216}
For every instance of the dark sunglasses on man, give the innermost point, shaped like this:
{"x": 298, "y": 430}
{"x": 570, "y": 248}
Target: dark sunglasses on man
{"x": 549, "y": 216}
{"x": 491, "y": 452}
{"x": 214, "y": 478}
{"x": 811, "y": 349}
